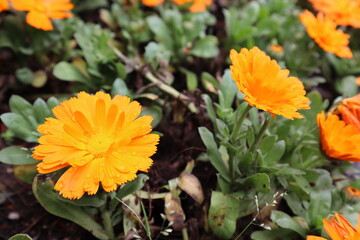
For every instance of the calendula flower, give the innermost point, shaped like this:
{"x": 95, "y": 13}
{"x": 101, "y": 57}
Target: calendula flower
{"x": 338, "y": 139}
{"x": 339, "y": 228}
{"x": 197, "y": 5}
{"x": 152, "y": 3}
{"x": 4, "y": 5}
{"x": 267, "y": 86}
{"x": 342, "y": 12}
{"x": 349, "y": 111}
{"x": 352, "y": 191}
{"x": 41, "y": 11}
{"x": 276, "y": 48}
{"x": 323, "y": 30}
{"x": 101, "y": 140}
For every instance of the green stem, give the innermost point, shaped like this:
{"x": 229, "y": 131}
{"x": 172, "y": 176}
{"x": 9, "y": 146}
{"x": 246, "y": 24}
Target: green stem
{"x": 163, "y": 86}
{"x": 185, "y": 234}
{"x": 259, "y": 135}
{"x": 239, "y": 122}
{"x": 172, "y": 91}
{"x": 106, "y": 216}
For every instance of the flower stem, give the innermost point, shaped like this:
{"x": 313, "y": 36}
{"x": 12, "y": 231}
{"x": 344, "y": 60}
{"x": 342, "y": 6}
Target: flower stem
{"x": 185, "y": 234}
{"x": 239, "y": 122}
{"x": 106, "y": 216}
{"x": 259, "y": 135}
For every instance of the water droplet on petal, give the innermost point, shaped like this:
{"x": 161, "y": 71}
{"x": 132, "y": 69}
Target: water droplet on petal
{"x": 122, "y": 168}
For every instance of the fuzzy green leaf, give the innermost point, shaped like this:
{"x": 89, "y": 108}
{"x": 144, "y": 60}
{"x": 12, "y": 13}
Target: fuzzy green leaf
{"x": 223, "y": 213}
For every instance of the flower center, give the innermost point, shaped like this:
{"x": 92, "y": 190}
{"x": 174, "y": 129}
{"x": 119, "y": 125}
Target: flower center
{"x": 39, "y": 7}
{"x": 99, "y": 144}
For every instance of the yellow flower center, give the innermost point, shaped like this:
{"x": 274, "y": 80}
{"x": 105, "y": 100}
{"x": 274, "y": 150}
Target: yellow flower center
{"x": 99, "y": 144}
{"x": 40, "y": 7}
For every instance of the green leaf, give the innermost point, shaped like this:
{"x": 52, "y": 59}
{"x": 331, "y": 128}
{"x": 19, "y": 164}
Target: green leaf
{"x": 67, "y": 72}
{"x": 347, "y": 86}
{"x": 302, "y": 183}
{"x": 160, "y": 29}
{"x": 206, "y": 47}
{"x": 52, "y": 102}
{"x": 209, "y": 82}
{"x": 274, "y": 234}
{"x": 156, "y": 53}
{"x": 15, "y": 155}
{"x": 228, "y": 88}
{"x": 213, "y": 152}
{"x": 84, "y": 201}
{"x": 258, "y": 182}
{"x": 266, "y": 143}
{"x": 90, "y": 5}
{"x": 24, "y": 75}
{"x": 223, "y": 213}
{"x": 250, "y": 13}
{"x": 19, "y": 126}
{"x": 121, "y": 70}
{"x": 119, "y": 87}
{"x": 275, "y": 154}
{"x": 155, "y": 112}
{"x": 320, "y": 200}
{"x": 132, "y": 186}
{"x": 129, "y": 188}
{"x": 25, "y": 173}
{"x": 191, "y": 79}
{"x": 209, "y": 107}
{"x": 41, "y": 110}
{"x": 316, "y": 106}
{"x": 20, "y": 237}
{"x": 48, "y": 198}
{"x": 295, "y": 204}
{"x": 20, "y": 106}
{"x": 285, "y": 221}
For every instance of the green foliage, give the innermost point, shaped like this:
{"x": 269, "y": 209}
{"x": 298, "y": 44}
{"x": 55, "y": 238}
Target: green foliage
{"x": 20, "y": 237}
{"x": 48, "y": 198}
{"x": 101, "y": 67}
{"x": 223, "y": 213}
{"x": 24, "y": 118}
{"x": 183, "y": 34}
{"x": 16, "y": 156}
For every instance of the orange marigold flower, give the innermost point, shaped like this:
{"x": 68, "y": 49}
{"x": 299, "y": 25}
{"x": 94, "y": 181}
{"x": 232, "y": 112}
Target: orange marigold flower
{"x": 338, "y": 139}
{"x": 276, "y": 48}
{"x": 152, "y": 3}
{"x": 339, "y": 228}
{"x": 41, "y": 11}
{"x": 4, "y": 5}
{"x": 323, "y": 30}
{"x": 343, "y": 12}
{"x": 349, "y": 111}
{"x": 197, "y": 6}
{"x": 102, "y": 140}
{"x": 267, "y": 86}
{"x": 352, "y": 191}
